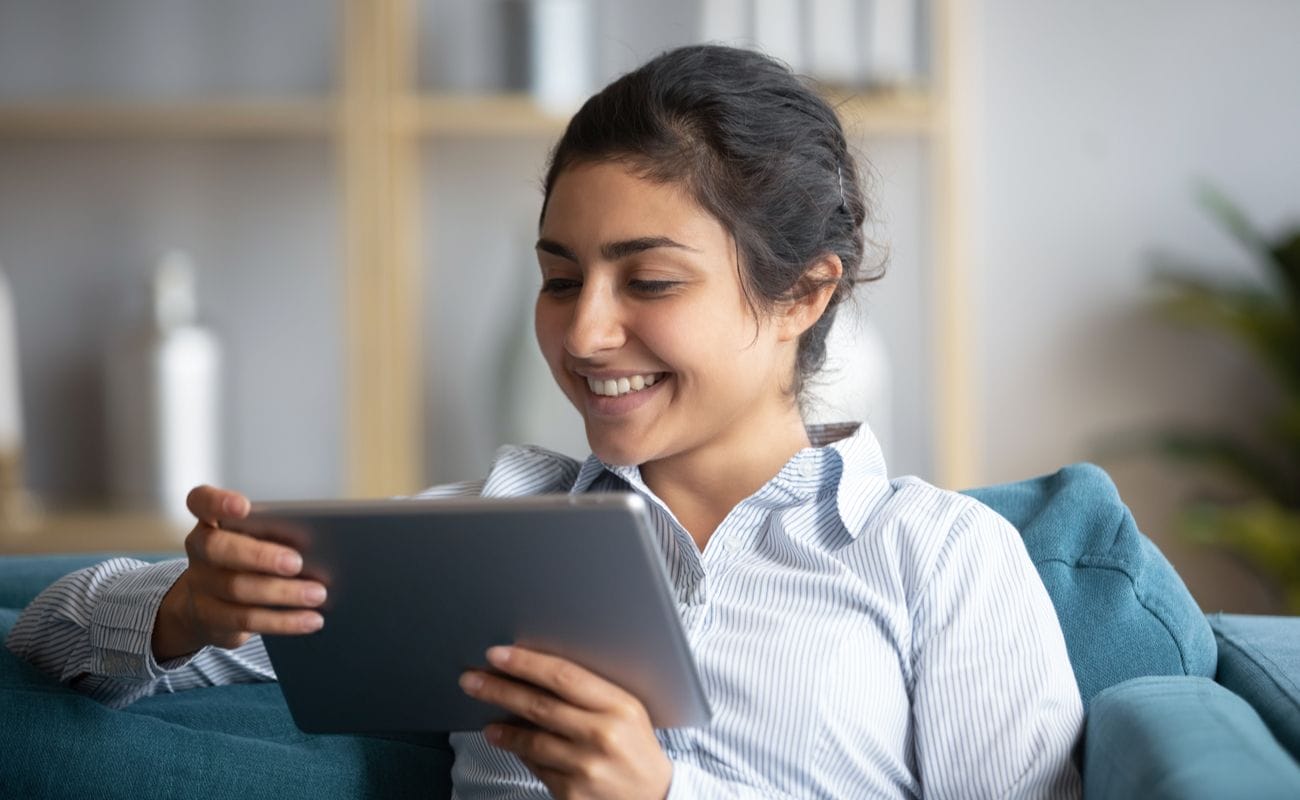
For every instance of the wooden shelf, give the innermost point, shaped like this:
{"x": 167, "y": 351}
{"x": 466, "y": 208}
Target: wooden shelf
{"x": 450, "y": 115}
{"x": 505, "y": 115}
{"x": 893, "y": 112}
{"x": 94, "y": 532}
{"x": 213, "y": 119}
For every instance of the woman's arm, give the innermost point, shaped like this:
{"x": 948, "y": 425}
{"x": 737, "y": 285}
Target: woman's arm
{"x": 995, "y": 703}
{"x": 93, "y": 630}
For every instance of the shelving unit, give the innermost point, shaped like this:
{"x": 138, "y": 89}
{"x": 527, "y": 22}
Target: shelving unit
{"x": 377, "y": 117}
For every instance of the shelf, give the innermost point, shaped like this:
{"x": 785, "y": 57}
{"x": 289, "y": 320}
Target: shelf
{"x": 94, "y": 532}
{"x": 215, "y": 119}
{"x": 450, "y": 115}
{"x": 893, "y": 112}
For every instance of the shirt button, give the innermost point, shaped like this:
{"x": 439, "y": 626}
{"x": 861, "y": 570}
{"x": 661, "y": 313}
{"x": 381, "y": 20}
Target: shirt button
{"x": 731, "y": 545}
{"x": 806, "y": 469}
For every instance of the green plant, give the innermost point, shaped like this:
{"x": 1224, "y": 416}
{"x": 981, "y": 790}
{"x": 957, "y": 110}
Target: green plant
{"x": 1261, "y": 525}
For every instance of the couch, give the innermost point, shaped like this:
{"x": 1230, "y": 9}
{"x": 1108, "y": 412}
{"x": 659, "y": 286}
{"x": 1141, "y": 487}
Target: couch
{"x": 1180, "y": 705}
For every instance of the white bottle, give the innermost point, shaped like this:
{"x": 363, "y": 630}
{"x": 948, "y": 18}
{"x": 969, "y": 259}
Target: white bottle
{"x": 11, "y": 409}
{"x": 163, "y": 403}
{"x": 560, "y": 46}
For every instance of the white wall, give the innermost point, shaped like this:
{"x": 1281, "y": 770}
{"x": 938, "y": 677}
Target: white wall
{"x": 1092, "y": 122}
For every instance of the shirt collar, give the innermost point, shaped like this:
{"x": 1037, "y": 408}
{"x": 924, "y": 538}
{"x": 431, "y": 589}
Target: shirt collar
{"x": 844, "y": 458}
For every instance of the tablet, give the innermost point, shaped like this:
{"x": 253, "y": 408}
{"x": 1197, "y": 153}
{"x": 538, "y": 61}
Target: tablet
{"x": 419, "y": 589}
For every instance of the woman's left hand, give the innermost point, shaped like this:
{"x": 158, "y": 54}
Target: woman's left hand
{"x": 593, "y": 738}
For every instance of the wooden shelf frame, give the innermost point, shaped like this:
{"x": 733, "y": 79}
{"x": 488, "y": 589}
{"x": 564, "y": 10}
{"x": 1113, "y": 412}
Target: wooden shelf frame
{"x": 377, "y": 119}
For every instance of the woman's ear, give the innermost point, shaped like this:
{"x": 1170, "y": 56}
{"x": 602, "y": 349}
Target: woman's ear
{"x": 811, "y": 295}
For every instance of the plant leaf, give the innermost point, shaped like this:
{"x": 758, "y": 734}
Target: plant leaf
{"x": 1266, "y": 326}
{"x": 1263, "y": 534}
{"x": 1282, "y": 256}
{"x": 1258, "y": 472}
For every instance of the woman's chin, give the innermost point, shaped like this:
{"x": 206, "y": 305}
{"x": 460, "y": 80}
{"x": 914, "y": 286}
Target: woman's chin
{"x": 610, "y": 450}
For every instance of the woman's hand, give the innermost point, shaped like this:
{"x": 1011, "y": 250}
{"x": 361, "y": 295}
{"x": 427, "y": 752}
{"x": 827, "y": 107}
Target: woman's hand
{"x": 226, "y": 593}
{"x": 593, "y": 740}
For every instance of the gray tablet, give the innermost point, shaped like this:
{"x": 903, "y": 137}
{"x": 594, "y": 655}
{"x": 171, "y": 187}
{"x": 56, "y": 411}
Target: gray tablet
{"x": 419, "y": 589}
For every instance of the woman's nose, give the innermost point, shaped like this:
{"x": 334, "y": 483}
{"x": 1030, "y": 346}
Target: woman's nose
{"x": 596, "y": 325}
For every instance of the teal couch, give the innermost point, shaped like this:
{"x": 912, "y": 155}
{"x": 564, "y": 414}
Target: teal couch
{"x": 1179, "y": 705}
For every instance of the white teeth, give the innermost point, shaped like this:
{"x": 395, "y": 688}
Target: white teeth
{"x": 620, "y": 386}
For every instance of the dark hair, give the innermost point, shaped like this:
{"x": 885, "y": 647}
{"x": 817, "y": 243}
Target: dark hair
{"x": 757, "y": 148}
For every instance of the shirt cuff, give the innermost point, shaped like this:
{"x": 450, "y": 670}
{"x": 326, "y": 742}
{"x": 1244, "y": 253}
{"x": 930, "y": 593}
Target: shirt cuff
{"x": 121, "y": 626}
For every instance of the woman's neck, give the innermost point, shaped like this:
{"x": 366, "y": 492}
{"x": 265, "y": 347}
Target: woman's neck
{"x": 703, "y": 484}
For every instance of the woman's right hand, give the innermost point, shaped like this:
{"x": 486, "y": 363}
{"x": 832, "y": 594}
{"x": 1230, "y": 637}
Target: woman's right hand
{"x": 235, "y": 585}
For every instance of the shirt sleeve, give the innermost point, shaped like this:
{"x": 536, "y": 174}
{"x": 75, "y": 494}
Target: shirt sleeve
{"x": 996, "y": 708}
{"x": 93, "y": 630}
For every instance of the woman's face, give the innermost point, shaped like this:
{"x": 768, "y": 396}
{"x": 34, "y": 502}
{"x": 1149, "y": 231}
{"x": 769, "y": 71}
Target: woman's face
{"x": 644, "y": 324}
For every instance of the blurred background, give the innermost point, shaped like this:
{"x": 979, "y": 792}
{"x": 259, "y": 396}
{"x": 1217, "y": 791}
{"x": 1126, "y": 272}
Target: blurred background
{"x": 287, "y": 247}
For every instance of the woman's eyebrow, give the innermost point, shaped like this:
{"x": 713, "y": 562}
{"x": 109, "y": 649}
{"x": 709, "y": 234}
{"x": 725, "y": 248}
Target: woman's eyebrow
{"x": 555, "y": 249}
{"x": 613, "y": 251}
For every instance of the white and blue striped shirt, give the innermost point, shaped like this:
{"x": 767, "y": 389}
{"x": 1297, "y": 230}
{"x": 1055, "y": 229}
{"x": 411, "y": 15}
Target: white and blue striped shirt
{"x": 856, "y": 637}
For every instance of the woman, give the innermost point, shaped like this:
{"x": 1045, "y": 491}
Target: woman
{"x": 857, "y": 636}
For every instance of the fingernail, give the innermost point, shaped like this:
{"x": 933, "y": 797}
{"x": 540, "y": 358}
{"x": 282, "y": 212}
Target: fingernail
{"x": 290, "y": 563}
{"x": 498, "y": 656}
{"x": 471, "y": 682}
{"x": 314, "y": 594}
{"x": 314, "y": 623}
{"x": 234, "y": 506}
{"x": 493, "y": 734}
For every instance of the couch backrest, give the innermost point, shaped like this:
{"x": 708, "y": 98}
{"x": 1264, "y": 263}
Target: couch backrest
{"x": 1123, "y": 608}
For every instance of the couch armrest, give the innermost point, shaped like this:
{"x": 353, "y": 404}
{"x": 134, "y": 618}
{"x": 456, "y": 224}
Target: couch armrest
{"x": 1182, "y": 737}
{"x": 1259, "y": 659}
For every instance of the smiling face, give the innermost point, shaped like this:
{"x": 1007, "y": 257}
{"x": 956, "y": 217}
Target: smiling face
{"x": 644, "y": 323}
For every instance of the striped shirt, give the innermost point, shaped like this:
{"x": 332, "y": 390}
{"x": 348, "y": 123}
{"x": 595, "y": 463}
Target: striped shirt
{"x": 856, "y": 637}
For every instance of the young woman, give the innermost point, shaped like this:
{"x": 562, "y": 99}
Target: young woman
{"x": 857, "y": 636}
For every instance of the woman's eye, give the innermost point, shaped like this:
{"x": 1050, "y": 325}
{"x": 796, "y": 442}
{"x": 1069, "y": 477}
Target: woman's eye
{"x": 559, "y": 286}
{"x": 651, "y": 287}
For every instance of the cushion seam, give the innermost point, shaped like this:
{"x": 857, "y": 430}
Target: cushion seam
{"x": 1091, "y": 563}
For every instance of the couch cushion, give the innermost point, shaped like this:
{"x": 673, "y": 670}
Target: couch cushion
{"x": 1259, "y": 659}
{"x": 1124, "y": 611}
{"x": 1184, "y": 738}
{"x": 228, "y": 741}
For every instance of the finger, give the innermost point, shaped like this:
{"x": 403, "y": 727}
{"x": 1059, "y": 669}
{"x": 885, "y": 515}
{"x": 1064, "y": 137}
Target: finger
{"x": 234, "y": 619}
{"x": 208, "y": 504}
{"x": 563, "y": 678}
{"x": 539, "y": 749}
{"x": 538, "y": 706}
{"x": 252, "y": 589}
{"x": 238, "y": 552}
